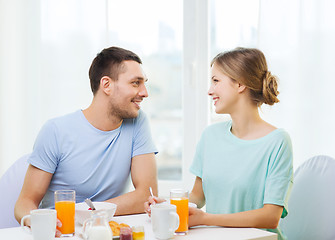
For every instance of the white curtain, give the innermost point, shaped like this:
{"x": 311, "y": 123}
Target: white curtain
{"x": 298, "y": 39}
{"x": 46, "y": 48}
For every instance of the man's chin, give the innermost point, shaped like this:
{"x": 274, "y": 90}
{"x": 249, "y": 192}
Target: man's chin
{"x": 131, "y": 115}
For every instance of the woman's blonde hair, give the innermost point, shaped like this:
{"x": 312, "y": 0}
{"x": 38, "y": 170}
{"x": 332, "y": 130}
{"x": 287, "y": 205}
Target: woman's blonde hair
{"x": 248, "y": 66}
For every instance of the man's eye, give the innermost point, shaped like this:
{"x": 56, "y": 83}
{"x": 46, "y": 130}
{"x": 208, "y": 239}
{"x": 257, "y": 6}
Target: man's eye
{"x": 136, "y": 82}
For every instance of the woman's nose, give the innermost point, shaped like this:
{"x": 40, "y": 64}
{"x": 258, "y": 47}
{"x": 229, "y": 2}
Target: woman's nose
{"x": 210, "y": 90}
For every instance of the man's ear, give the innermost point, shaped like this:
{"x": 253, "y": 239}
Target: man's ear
{"x": 241, "y": 88}
{"x": 106, "y": 84}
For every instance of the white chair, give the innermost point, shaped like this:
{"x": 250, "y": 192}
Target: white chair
{"x": 10, "y": 187}
{"x": 312, "y": 202}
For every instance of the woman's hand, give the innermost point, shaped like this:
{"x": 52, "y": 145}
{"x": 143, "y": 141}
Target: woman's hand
{"x": 196, "y": 217}
{"x": 152, "y": 200}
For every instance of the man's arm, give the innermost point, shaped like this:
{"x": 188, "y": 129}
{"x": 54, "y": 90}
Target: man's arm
{"x": 33, "y": 190}
{"x": 144, "y": 175}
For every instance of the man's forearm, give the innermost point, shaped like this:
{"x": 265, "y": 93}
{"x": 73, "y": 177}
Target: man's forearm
{"x": 22, "y": 208}
{"x": 131, "y": 202}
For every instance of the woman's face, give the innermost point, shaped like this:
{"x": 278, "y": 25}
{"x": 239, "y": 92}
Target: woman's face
{"x": 223, "y": 90}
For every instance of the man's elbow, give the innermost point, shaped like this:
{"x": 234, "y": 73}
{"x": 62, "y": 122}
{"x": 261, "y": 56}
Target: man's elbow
{"x": 17, "y": 214}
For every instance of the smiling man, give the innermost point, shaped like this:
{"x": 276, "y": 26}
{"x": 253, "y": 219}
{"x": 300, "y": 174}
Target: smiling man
{"x": 93, "y": 151}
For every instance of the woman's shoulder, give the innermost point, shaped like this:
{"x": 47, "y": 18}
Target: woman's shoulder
{"x": 219, "y": 126}
{"x": 216, "y": 129}
{"x": 280, "y": 135}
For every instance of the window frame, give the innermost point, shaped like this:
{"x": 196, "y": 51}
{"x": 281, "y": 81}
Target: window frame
{"x": 195, "y": 101}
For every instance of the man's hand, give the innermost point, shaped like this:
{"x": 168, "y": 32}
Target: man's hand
{"x": 152, "y": 201}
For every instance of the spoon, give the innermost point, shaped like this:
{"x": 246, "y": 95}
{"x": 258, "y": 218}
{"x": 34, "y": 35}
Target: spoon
{"x": 152, "y": 195}
{"x": 150, "y": 189}
{"x": 90, "y": 204}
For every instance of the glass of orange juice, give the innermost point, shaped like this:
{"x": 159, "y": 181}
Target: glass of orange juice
{"x": 179, "y": 197}
{"x": 65, "y": 201}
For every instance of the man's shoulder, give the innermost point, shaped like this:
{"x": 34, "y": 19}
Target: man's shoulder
{"x": 74, "y": 116}
{"x": 66, "y": 121}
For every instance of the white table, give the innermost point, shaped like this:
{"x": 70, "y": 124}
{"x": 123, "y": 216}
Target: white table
{"x": 198, "y": 233}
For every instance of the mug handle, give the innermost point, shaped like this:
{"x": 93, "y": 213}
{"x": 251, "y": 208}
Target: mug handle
{"x": 25, "y": 228}
{"x": 175, "y": 218}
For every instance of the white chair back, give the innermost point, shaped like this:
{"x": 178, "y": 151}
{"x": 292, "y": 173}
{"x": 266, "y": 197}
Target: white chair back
{"x": 10, "y": 187}
{"x": 312, "y": 203}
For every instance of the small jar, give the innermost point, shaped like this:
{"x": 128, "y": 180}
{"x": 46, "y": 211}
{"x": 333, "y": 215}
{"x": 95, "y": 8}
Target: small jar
{"x": 126, "y": 233}
{"x": 138, "y": 233}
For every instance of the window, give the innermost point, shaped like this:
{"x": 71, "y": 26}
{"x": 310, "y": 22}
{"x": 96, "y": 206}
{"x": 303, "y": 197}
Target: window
{"x": 156, "y": 35}
{"x": 232, "y": 24}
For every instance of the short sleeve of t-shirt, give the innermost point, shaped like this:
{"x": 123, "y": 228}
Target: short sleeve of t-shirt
{"x": 143, "y": 142}
{"x": 280, "y": 175}
{"x": 46, "y": 149}
{"x": 197, "y": 164}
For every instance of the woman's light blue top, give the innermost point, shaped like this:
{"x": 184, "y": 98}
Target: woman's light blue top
{"x": 240, "y": 175}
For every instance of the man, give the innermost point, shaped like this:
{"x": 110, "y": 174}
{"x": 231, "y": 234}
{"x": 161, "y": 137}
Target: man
{"x": 93, "y": 151}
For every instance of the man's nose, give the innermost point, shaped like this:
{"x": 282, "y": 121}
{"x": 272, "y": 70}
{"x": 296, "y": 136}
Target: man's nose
{"x": 143, "y": 92}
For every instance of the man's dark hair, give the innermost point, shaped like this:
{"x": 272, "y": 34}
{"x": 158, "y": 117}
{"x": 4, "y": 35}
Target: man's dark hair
{"x": 109, "y": 62}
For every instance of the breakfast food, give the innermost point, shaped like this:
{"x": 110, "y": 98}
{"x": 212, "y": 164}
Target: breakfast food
{"x": 116, "y": 227}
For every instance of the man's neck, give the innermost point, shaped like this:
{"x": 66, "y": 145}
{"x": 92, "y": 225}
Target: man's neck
{"x": 97, "y": 115}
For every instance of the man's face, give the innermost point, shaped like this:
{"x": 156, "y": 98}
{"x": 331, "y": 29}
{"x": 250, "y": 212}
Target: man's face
{"x": 128, "y": 91}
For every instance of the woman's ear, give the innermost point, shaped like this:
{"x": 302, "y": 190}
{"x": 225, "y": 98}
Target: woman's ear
{"x": 105, "y": 84}
{"x": 241, "y": 88}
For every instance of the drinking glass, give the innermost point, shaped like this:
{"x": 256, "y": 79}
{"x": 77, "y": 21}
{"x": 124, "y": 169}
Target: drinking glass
{"x": 138, "y": 233}
{"x": 179, "y": 197}
{"x": 65, "y": 205}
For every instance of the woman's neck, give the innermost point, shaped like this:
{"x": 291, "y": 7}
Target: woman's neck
{"x": 248, "y": 125}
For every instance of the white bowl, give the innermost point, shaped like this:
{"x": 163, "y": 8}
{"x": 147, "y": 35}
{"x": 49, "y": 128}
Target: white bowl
{"x": 82, "y": 212}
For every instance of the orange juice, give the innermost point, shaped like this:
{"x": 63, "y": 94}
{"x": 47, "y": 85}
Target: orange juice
{"x": 138, "y": 235}
{"x": 182, "y": 211}
{"x": 65, "y": 213}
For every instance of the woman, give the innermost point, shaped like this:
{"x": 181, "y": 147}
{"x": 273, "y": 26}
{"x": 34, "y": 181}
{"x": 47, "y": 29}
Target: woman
{"x": 243, "y": 167}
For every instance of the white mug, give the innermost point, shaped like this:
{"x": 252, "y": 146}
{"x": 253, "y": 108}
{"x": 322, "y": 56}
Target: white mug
{"x": 43, "y": 223}
{"x": 164, "y": 220}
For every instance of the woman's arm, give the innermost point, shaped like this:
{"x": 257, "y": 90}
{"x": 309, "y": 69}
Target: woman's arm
{"x": 266, "y": 217}
{"x": 197, "y": 195}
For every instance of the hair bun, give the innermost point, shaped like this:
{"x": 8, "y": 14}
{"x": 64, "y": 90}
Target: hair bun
{"x": 270, "y": 86}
